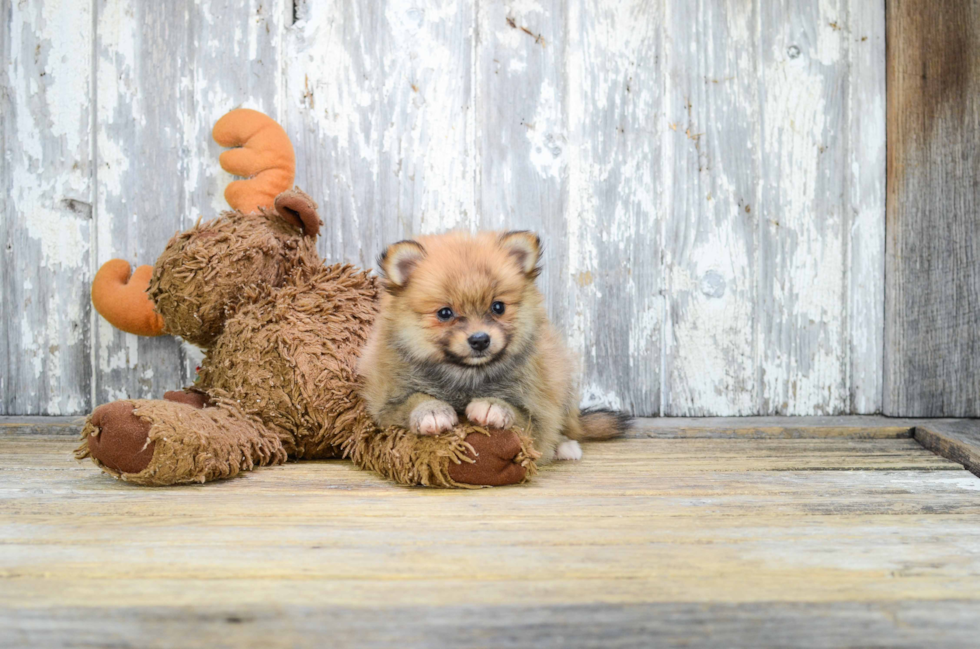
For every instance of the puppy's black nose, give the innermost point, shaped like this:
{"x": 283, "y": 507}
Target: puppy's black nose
{"x": 479, "y": 341}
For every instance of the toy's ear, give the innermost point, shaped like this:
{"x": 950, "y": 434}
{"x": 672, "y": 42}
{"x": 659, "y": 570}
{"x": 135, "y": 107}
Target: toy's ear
{"x": 400, "y": 260}
{"x": 525, "y": 248}
{"x": 299, "y": 209}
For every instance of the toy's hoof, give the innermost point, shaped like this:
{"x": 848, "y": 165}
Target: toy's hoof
{"x": 121, "y": 444}
{"x": 495, "y": 465}
{"x": 197, "y": 399}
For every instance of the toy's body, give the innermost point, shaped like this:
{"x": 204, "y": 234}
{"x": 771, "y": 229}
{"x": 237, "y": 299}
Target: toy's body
{"x": 281, "y": 334}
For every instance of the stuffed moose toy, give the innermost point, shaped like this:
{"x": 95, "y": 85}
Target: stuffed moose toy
{"x": 281, "y": 332}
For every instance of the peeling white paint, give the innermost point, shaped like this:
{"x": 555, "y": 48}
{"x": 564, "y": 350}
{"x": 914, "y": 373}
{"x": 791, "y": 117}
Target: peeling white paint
{"x": 702, "y": 254}
{"x": 802, "y": 127}
{"x": 425, "y": 141}
{"x": 121, "y": 357}
{"x": 47, "y": 207}
{"x": 71, "y": 34}
{"x": 64, "y": 241}
{"x": 865, "y": 204}
{"x": 546, "y": 134}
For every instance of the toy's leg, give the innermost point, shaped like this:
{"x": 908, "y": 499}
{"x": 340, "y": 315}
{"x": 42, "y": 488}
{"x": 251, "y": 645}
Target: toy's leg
{"x": 170, "y": 442}
{"x": 467, "y": 456}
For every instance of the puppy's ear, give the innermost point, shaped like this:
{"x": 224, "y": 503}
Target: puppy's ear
{"x": 525, "y": 248}
{"x": 399, "y": 261}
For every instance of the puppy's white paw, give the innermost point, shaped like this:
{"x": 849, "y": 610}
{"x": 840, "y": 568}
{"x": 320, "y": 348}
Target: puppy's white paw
{"x": 568, "y": 450}
{"x": 489, "y": 414}
{"x": 432, "y": 417}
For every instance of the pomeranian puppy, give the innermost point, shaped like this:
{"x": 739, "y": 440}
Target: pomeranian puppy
{"x": 463, "y": 331}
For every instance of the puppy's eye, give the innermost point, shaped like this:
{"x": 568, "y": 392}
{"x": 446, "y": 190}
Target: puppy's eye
{"x": 445, "y": 314}
{"x": 498, "y": 308}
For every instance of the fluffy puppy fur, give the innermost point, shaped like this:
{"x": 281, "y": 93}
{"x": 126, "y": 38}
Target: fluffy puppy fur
{"x": 463, "y": 331}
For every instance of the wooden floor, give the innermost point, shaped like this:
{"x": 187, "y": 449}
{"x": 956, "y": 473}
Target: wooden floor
{"x": 856, "y": 539}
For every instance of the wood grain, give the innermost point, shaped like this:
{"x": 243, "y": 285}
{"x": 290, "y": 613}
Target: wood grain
{"x": 614, "y": 215}
{"x": 41, "y": 425}
{"x": 46, "y": 219}
{"x": 958, "y": 441}
{"x": 757, "y": 533}
{"x": 707, "y": 177}
{"x": 379, "y": 107}
{"x": 522, "y": 133}
{"x": 333, "y": 120}
{"x": 932, "y": 360}
{"x": 802, "y": 226}
{"x": 771, "y": 287}
{"x": 864, "y": 204}
{"x": 900, "y": 625}
{"x": 6, "y": 110}
{"x": 712, "y": 185}
{"x": 143, "y": 96}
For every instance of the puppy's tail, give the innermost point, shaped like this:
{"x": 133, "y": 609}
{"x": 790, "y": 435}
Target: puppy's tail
{"x": 601, "y": 423}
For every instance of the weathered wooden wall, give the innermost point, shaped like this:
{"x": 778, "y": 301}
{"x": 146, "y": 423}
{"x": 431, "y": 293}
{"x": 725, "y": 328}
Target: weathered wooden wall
{"x": 708, "y": 175}
{"x": 932, "y": 366}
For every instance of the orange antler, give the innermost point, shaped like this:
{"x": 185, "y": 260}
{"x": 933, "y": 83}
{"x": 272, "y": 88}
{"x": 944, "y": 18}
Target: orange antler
{"x": 122, "y": 300}
{"x": 265, "y": 158}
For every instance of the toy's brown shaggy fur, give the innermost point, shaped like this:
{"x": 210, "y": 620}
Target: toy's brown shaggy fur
{"x": 281, "y": 334}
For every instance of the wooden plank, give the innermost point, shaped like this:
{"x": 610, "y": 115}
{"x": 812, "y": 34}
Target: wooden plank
{"x": 6, "y": 110}
{"x": 426, "y": 180}
{"x": 191, "y": 594}
{"x": 772, "y": 287}
{"x": 166, "y": 73}
{"x": 333, "y": 119}
{"x": 47, "y": 207}
{"x": 864, "y": 205}
{"x": 758, "y": 454}
{"x": 522, "y": 136}
{"x": 380, "y": 111}
{"x": 370, "y": 569}
{"x": 932, "y": 353}
{"x": 642, "y": 539}
{"x": 614, "y": 217}
{"x": 803, "y": 230}
{"x": 956, "y": 440}
{"x": 543, "y": 115}
{"x": 41, "y": 425}
{"x": 711, "y": 178}
{"x": 143, "y": 95}
{"x": 902, "y": 625}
